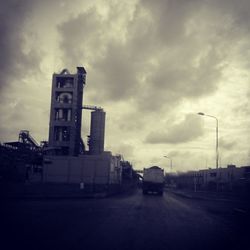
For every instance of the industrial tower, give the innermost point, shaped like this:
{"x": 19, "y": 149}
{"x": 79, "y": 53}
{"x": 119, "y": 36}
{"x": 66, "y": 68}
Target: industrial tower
{"x": 97, "y": 130}
{"x": 66, "y": 160}
{"x": 66, "y": 112}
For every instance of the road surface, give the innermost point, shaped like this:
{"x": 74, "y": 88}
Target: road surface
{"x": 123, "y": 222}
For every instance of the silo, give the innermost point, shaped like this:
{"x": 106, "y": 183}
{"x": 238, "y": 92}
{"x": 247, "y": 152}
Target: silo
{"x": 97, "y": 132}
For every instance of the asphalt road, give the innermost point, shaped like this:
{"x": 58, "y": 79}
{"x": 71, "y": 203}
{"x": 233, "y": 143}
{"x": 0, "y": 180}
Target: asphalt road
{"x": 123, "y": 222}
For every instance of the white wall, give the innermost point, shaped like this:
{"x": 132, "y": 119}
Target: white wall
{"x": 91, "y": 169}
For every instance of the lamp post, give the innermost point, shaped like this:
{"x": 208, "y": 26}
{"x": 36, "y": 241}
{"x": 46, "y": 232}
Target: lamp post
{"x": 170, "y": 161}
{"x": 217, "y": 137}
{"x": 217, "y": 147}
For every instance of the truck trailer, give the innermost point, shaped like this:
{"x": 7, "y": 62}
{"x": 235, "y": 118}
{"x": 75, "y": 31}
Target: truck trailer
{"x": 153, "y": 180}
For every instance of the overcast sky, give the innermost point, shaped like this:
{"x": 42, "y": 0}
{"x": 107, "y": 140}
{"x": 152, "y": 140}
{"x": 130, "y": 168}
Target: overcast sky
{"x": 151, "y": 64}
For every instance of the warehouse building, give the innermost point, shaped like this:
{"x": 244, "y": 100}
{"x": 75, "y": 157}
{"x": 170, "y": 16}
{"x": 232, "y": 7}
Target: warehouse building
{"x": 231, "y": 178}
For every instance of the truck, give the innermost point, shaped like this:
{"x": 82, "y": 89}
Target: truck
{"x": 153, "y": 180}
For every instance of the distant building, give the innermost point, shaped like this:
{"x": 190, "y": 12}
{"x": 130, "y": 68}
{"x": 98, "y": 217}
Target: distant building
{"x": 223, "y": 179}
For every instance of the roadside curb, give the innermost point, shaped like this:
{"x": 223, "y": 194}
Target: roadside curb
{"x": 189, "y": 196}
{"x": 13, "y": 196}
{"x": 50, "y": 197}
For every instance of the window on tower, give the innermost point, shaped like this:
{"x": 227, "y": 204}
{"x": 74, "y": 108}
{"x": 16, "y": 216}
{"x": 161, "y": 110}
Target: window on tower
{"x": 62, "y": 114}
{"x": 64, "y": 82}
{"x": 62, "y": 133}
{"x": 65, "y": 97}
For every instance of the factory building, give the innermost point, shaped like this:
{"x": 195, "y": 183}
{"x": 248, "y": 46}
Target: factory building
{"x": 67, "y": 160}
{"x": 66, "y": 112}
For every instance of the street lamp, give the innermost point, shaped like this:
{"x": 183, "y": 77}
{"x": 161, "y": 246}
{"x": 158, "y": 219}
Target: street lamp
{"x": 170, "y": 161}
{"x": 217, "y": 138}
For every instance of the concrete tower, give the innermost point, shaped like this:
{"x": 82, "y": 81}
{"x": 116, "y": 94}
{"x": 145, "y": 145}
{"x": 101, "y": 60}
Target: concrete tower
{"x": 66, "y": 112}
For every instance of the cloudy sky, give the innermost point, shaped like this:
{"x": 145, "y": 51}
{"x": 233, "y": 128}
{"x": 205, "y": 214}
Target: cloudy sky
{"x": 151, "y": 64}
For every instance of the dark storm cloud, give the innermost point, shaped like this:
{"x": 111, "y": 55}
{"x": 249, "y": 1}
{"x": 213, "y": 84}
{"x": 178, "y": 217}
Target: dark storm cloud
{"x": 239, "y": 11}
{"x": 81, "y": 37}
{"x": 170, "y": 17}
{"x": 187, "y": 130}
{"x": 117, "y": 73}
{"x": 19, "y": 118}
{"x": 151, "y": 61}
{"x": 14, "y": 61}
{"x": 86, "y": 39}
{"x": 169, "y": 83}
{"x": 127, "y": 121}
{"x": 242, "y": 108}
{"x": 227, "y": 144}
